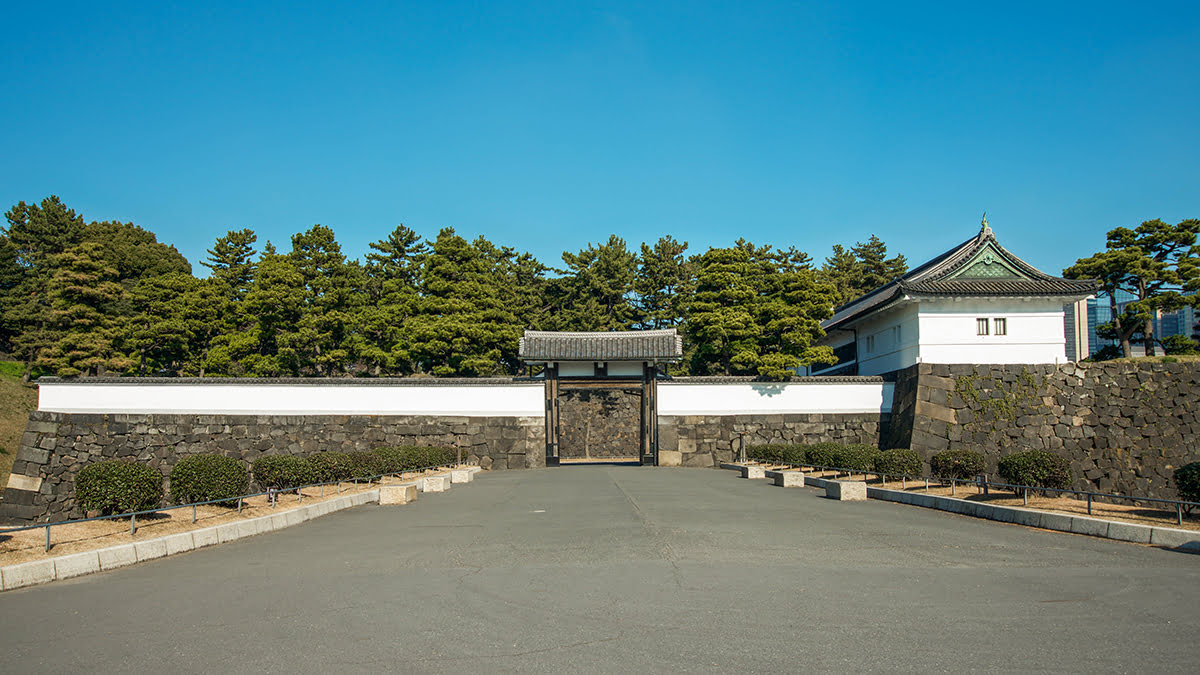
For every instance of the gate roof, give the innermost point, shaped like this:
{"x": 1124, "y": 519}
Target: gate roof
{"x": 634, "y": 345}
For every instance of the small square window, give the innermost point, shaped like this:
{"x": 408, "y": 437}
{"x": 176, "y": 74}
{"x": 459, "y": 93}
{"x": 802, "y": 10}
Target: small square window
{"x": 1001, "y": 326}
{"x": 981, "y": 326}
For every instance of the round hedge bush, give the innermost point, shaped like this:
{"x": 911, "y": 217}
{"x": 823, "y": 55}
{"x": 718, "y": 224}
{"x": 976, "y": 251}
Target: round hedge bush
{"x": 856, "y": 457}
{"x": 960, "y": 464}
{"x": 118, "y": 486}
{"x": 822, "y": 454}
{"x": 899, "y": 462}
{"x": 1187, "y": 481}
{"x": 330, "y": 466}
{"x": 776, "y": 453}
{"x": 202, "y": 478}
{"x": 1036, "y": 468}
{"x": 282, "y": 472}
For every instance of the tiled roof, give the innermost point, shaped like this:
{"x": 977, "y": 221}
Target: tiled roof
{"x": 978, "y": 267}
{"x": 640, "y": 345}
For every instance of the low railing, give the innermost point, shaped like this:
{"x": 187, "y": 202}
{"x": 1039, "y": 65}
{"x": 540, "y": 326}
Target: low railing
{"x": 984, "y": 485}
{"x": 272, "y": 494}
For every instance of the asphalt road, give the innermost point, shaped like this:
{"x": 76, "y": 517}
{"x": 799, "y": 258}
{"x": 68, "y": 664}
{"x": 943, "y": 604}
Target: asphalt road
{"x": 619, "y": 569}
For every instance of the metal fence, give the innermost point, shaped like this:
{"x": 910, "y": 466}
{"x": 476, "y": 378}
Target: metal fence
{"x": 272, "y": 494}
{"x": 984, "y": 485}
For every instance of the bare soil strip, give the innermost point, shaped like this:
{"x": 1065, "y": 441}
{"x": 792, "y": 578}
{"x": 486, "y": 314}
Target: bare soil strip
{"x": 1129, "y": 512}
{"x": 29, "y": 545}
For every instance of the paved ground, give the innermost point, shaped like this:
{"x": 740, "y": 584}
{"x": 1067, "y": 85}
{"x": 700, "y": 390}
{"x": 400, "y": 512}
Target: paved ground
{"x": 612, "y": 569}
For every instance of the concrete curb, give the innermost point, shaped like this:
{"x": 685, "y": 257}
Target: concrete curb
{"x": 1169, "y": 537}
{"x": 102, "y": 560}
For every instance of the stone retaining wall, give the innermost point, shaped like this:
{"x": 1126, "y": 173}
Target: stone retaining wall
{"x": 710, "y": 440}
{"x": 1125, "y": 427}
{"x": 56, "y": 445}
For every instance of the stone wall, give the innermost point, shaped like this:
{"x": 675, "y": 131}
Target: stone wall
{"x": 600, "y": 423}
{"x": 56, "y": 445}
{"x": 1125, "y": 427}
{"x": 709, "y": 440}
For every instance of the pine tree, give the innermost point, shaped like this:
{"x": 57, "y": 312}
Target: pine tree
{"x": 594, "y": 293}
{"x": 83, "y": 294}
{"x": 665, "y": 279}
{"x": 231, "y": 260}
{"x": 391, "y": 275}
{"x": 875, "y": 268}
{"x": 720, "y": 322}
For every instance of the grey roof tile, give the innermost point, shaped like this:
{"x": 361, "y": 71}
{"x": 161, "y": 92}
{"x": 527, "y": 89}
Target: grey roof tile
{"x": 642, "y": 345}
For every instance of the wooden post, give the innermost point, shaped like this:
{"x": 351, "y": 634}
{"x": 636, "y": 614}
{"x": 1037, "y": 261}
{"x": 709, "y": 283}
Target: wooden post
{"x": 551, "y": 371}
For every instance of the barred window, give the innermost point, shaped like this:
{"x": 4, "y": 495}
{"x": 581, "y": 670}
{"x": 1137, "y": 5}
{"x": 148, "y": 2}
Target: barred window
{"x": 1001, "y": 326}
{"x": 981, "y": 326}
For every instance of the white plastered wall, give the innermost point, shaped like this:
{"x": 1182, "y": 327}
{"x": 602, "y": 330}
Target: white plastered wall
{"x": 894, "y": 338}
{"x": 748, "y": 398}
{"x": 1034, "y": 331}
{"x": 504, "y": 400}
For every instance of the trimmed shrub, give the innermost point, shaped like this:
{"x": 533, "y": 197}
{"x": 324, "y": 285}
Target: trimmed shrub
{"x": 409, "y": 457}
{"x": 330, "y": 466}
{"x": 364, "y": 464}
{"x": 961, "y": 464}
{"x": 822, "y": 454}
{"x": 1187, "y": 481}
{"x": 899, "y": 462}
{"x": 201, "y": 478}
{"x": 776, "y": 453}
{"x": 118, "y": 486}
{"x": 1036, "y": 468}
{"x": 282, "y": 472}
{"x": 856, "y": 457}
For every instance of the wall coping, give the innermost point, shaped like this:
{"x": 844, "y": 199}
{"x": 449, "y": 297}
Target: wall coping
{"x": 749, "y": 379}
{"x": 304, "y": 381}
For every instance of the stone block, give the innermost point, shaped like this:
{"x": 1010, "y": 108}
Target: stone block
{"x": 27, "y": 574}
{"x": 1089, "y": 526}
{"x": 1055, "y": 521}
{"x": 440, "y": 483}
{"x": 789, "y": 478}
{"x": 1173, "y": 538}
{"x": 295, "y": 517}
{"x": 179, "y": 543}
{"x": 399, "y": 493}
{"x": 460, "y": 476}
{"x": 116, "y": 556}
{"x": 150, "y": 549}
{"x": 205, "y": 537}
{"x": 229, "y": 532}
{"x": 753, "y": 471}
{"x": 76, "y": 565}
{"x": 248, "y": 528}
{"x": 280, "y": 521}
{"x": 264, "y": 524}
{"x": 670, "y": 458}
{"x": 846, "y": 490}
{"x": 28, "y": 483}
{"x": 1138, "y": 534}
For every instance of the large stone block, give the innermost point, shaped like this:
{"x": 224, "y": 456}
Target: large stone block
{"x": 846, "y": 490}
{"x": 398, "y": 493}
{"x": 789, "y": 478}
{"x": 753, "y": 471}
{"x": 439, "y": 483}
{"x": 460, "y": 476}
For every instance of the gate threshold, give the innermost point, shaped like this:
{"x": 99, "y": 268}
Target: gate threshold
{"x": 599, "y": 460}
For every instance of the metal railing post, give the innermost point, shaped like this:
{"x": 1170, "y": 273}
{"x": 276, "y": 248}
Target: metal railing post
{"x": 193, "y": 513}
{"x": 1089, "y": 503}
{"x": 133, "y": 524}
{"x": 47, "y": 537}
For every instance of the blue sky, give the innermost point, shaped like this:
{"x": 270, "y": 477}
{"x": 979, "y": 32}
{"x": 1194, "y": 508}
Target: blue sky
{"x": 546, "y": 126}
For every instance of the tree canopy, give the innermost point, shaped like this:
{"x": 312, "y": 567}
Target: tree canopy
{"x": 1158, "y": 264}
{"x": 83, "y": 299}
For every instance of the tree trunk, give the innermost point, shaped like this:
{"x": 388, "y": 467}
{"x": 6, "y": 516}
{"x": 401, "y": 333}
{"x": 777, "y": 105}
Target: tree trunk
{"x": 1149, "y": 330}
{"x": 1126, "y": 348}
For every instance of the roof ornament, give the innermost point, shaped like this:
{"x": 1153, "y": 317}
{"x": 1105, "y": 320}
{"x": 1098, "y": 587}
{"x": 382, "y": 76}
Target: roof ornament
{"x": 985, "y": 230}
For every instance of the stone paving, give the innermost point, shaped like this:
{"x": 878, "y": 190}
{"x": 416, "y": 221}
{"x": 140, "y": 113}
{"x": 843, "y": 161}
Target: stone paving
{"x": 607, "y": 568}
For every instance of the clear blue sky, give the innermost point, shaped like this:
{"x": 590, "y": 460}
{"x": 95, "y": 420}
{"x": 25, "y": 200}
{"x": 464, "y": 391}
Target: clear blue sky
{"x": 545, "y": 126}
